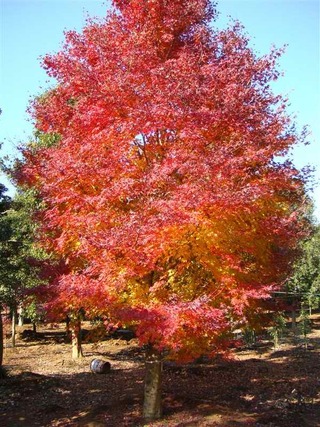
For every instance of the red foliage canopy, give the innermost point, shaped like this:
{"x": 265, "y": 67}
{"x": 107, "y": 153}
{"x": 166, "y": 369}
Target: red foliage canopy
{"x": 163, "y": 191}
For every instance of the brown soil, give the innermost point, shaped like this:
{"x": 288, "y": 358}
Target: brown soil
{"x": 260, "y": 387}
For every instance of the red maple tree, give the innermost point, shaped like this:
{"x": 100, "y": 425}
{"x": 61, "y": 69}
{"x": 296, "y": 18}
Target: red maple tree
{"x": 164, "y": 188}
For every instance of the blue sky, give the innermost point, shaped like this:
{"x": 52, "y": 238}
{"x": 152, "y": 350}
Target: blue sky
{"x": 31, "y": 28}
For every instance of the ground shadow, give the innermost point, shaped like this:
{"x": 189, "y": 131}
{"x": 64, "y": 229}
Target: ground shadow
{"x": 275, "y": 392}
{"x": 281, "y": 390}
{"x": 258, "y": 392}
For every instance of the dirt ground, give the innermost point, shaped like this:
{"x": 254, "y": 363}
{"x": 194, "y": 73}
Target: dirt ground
{"x": 260, "y": 387}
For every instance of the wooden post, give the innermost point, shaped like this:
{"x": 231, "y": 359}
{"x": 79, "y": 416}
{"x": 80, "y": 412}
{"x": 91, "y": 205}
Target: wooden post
{"x": 152, "y": 408}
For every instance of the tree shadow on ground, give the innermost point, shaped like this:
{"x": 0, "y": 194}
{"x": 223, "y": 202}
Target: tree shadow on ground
{"x": 278, "y": 391}
{"x": 267, "y": 388}
{"x": 30, "y": 399}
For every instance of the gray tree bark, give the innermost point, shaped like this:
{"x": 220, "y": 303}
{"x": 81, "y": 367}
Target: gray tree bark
{"x": 152, "y": 408}
{"x": 20, "y": 316}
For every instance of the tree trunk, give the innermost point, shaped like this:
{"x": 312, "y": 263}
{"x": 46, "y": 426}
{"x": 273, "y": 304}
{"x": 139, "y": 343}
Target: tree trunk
{"x": 76, "y": 339}
{"x": 13, "y": 327}
{"x": 20, "y": 317}
{"x": 68, "y": 329}
{"x": 276, "y": 339}
{"x": 34, "y": 327}
{"x": 152, "y": 408}
{"x": 1, "y": 339}
{"x": 310, "y": 306}
{"x": 67, "y": 324}
{"x": 294, "y": 321}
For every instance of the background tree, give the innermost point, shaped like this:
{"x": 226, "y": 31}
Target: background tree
{"x": 4, "y": 205}
{"x": 19, "y": 271}
{"x": 72, "y": 303}
{"x": 163, "y": 193}
{"x": 302, "y": 289}
{"x": 305, "y": 281}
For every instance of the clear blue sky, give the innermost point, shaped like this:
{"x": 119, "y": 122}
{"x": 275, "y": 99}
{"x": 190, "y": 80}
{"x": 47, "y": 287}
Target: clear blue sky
{"x": 31, "y": 28}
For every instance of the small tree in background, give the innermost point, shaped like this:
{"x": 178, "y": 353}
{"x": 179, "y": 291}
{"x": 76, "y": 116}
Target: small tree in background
{"x": 278, "y": 328}
{"x": 4, "y": 233}
{"x": 64, "y": 299}
{"x": 305, "y": 280}
{"x": 304, "y": 324}
{"x": 19, "y": 272}
{"x": 162, "y": 193}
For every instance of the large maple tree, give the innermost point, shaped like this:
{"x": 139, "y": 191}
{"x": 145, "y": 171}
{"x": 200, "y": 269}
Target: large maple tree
{"x": 163, "y": 191}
